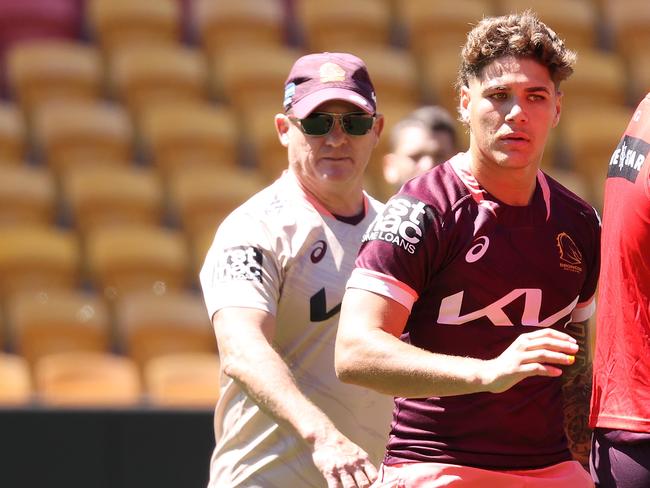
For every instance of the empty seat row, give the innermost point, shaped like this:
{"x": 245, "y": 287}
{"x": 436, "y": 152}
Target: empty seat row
{"x": 86, "y": 379}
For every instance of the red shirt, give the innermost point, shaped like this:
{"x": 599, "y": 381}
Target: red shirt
{"x": 621, "y": 388}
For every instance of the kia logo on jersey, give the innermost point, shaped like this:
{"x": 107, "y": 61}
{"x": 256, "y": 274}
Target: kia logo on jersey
{"x": 402, "y": 223}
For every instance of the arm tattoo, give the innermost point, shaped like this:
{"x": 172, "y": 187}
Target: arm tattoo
{"x": 576, "y": 390}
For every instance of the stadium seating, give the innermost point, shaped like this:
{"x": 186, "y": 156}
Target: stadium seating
{"x": 184, "y": 380}
{"x": 13, "y": 134}
{"x": 439, "y": 69}
{"x": 38, "y": 258}
{"x": 439, "y": 24}
{"x": 69, "y": 135}
{"x": 201, "y": 198}
{"x": 87, "y": 379}
{"x": 248, "y": 77}
{"x": 123, "y": 258}
{"x": 260, "y": 137}
{"x": 143, "y": 75}
{"x": 57, "y": 321}
{"x": 124, "y": 23}
{"x": 151, "y": 325}
{"x": 228, "y": 25}
{"x": 15, "y": 381}
{"x": 182, "y": 136}
{"x": 628, "y": 23}
{"x": 28, "y": 195}
{"x": 575, "y": 21}
{"x": 100, "y": 196}
{"x": 358, "y": 23}
{"x": 42, "y": 70}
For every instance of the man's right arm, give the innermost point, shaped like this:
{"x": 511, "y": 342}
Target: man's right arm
{"x": 244, "y": 337}
{"x": 369, "y": 353}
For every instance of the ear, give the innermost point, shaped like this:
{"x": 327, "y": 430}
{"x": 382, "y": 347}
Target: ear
{"x": 558, "y": 107}
{"x": 464, "y": 104}
{"x": 378, "y": 127}
{"x": 282, "y": 125}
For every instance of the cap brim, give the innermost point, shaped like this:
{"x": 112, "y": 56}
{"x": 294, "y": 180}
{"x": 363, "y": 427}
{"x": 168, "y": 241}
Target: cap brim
{"x": 307, "y": 104}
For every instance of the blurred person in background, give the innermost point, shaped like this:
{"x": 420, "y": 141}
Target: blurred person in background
{"x": 273, "y": 282}
{"x": 423, "y": 139}
{"x": 471, "y": 293}
{"x": 620, "y": 403}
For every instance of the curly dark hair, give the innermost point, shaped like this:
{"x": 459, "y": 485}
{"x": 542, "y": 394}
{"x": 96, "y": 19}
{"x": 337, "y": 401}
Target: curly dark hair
{"x": 520, "y": 35}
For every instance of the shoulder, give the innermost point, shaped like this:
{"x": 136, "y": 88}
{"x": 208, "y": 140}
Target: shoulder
{"x": 565, "y": 201}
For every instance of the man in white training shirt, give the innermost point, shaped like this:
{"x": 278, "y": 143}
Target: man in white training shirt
{"x": 273, "y": 282}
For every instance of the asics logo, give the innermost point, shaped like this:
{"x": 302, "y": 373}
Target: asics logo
{"x": 477, "y": 251}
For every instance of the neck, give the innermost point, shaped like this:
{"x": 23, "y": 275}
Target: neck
{"x": 513, "y": 186}
{"x": 338, "y": 199}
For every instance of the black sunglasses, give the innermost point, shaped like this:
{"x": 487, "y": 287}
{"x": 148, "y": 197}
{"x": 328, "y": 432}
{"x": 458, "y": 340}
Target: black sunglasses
{"x": 321, "y": 123}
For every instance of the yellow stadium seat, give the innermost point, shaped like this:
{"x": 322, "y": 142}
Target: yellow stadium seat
{"x": 574, "y": 21}
{"x": 184, "y": 380}
{"x": 125, "y": 23}
{"x": 13, "y": 134}
{"x": 201, "y": 198}
{"x": 639, "y": 77}
{"x": 435, "y": 24}
{"x": 47, "y": 69}
{"x": 87, "y": 379}
{"x": 57, "y": 321}
{"x": 260, "y": 135}
{"x": 151, "y": 325}
{"x": 199, "y": 245}
{"x": 628, "y": 22}
{"x": 83, "y": 134}
{"x": 99, "y": 196}
{"x": 439, "y": 71}
{"x": 394, "y": 74}
{"x": 15, "y": 381}
{"x": 599, "y": 78}
{"x": 229, "y": 24}
{"x": 28, "y": 195}
{"x": 189, "y": 135}
{"x": 122, "y": 258}
{"x": 248, "y": 77}
{"x": 38, "y": 258}
{"x": 144, "y": 75}
{"x": 343, "y": 25}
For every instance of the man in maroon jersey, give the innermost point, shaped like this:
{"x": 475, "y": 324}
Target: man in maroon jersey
{"x": 471, "y": 292}
{"x": 620, "y": 403}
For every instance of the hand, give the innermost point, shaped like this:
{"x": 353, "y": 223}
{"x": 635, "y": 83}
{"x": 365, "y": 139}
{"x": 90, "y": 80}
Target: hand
{"x": 343, "y": 463}
{"x": 531, "y": 354}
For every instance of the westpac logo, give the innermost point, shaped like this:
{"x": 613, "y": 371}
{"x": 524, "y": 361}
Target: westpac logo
{"x": 451, "y": 306}
{"x": 628, "y": 158}
{"x": 402, "y": 223}
{"x": 240, "y": 263}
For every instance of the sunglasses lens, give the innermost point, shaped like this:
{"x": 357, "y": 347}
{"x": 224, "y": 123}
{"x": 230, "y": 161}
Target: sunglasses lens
{"x": 357, "y": 124}
{"x": 317, "y": 124}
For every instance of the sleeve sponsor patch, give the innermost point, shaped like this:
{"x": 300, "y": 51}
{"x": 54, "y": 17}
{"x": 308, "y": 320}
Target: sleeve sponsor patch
{"x": 628, "y": 158}
{"x": 240, "y": 263}
{"x": 402, "y": 223}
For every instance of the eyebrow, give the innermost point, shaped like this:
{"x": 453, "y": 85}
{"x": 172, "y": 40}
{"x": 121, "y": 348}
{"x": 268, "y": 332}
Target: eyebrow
{"x": 530, "y": 89}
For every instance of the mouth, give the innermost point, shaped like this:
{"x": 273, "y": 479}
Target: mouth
{"x": 515, "y": 137}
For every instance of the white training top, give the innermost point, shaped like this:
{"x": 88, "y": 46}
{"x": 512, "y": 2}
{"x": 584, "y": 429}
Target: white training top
{"x": 284, "y": 253}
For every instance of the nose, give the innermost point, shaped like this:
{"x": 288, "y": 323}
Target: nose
{"x": 336, "y": 137}
{"x": 516, "y": 112}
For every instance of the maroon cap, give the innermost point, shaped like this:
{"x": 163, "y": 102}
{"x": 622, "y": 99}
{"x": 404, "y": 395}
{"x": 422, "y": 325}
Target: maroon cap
{"x": 318, "y": 78}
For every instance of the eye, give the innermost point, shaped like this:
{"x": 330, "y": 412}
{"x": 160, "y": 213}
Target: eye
{"x": 498, "y": 96}
{"x": 535, "y": 97}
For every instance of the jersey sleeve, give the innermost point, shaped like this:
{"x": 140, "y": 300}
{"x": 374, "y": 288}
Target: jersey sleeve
{"x": 241, "y": 268}
{"x": 587, "y": 300}
{"x": 398, "y": 252}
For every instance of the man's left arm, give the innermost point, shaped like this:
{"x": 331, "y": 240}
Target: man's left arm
{"x": 576, "y": 390}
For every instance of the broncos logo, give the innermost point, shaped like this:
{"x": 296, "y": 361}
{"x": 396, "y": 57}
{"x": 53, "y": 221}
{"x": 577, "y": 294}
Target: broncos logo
{"x": 569, "y": 252}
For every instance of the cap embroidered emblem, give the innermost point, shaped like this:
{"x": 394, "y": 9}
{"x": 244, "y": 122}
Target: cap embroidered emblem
{"x": 331, "y": 72}
{"x": 570, "y": 255}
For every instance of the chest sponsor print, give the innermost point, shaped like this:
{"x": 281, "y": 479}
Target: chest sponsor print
{"x": 241, "y": 263}
{"x": 402, "y": 223}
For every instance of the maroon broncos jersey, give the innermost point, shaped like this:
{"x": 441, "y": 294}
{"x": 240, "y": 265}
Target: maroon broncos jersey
{"x": 475, "y": 274}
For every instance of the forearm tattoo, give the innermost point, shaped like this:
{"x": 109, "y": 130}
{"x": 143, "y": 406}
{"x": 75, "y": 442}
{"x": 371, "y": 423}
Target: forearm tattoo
{"x": 576, "y": 390}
